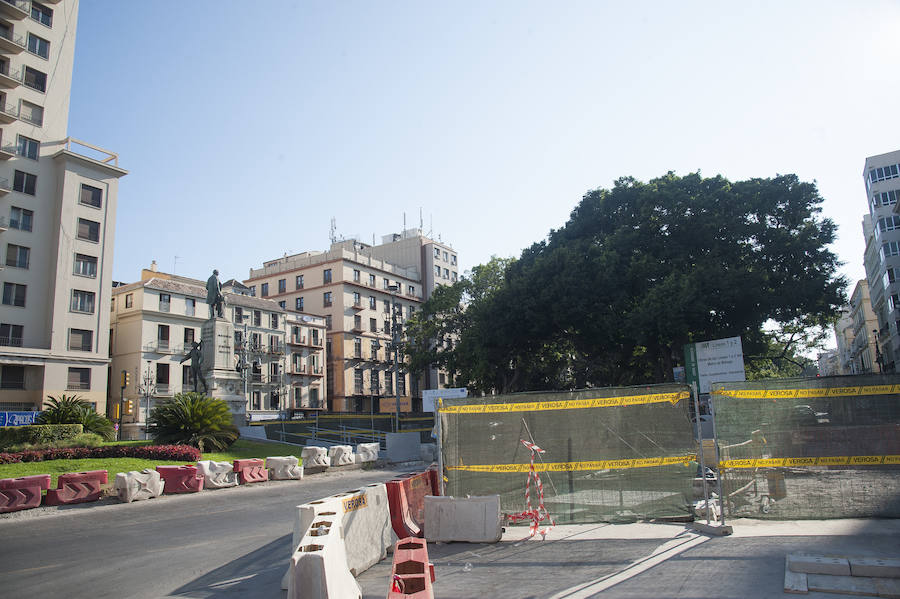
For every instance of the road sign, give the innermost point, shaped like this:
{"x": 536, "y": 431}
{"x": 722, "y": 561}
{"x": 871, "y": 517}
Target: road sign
{"x": 430, "y": 396}
{"x": 716, "y": 361}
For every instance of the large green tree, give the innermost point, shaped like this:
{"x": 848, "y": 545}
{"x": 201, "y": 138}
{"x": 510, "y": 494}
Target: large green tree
{"x": 638, "y": 271}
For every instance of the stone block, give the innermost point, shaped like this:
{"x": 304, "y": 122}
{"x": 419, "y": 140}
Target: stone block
{"x": 847, "y": 585}
{"x": 341, "y": 455}
{"x": 794, "y": 582}
{"x": 403, "y": 447}
{"x": 314, "y": 456}
{"x": 469, "y": 519}
{"x": 367, "y": 452}
{"x": 217, "y": 475}
{"x": 881, "y": 567}
{"x": 284, "y": 467}
{"x": 428, "y": 452}
{"x": 136, "y": 486}
{"x": 818, "y": 564}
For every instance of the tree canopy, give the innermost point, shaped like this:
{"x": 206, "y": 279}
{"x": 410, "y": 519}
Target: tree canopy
{"x": 636, "y": 272}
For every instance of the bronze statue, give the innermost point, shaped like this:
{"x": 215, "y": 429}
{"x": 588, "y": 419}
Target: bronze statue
{"x": 214, "y": 297}
{"x": 196, "y": 357}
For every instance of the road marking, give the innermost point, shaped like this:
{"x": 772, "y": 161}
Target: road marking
{"x": 665, "y": 551}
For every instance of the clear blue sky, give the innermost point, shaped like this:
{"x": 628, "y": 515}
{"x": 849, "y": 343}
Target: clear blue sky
{"x": 259, "y": 122}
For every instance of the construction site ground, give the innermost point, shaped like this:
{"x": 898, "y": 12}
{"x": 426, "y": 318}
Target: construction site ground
{"x": 642, "y": 560}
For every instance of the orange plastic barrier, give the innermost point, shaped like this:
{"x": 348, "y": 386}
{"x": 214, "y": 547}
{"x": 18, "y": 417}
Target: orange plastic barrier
{"x": 180, "y": 479}
{"x": 251, "y": 470}
{"x": 411, "y": 572}
{"x": 22, "y": 493}
{"x": 406, "y": 499}
{"x": 76, "y": 487}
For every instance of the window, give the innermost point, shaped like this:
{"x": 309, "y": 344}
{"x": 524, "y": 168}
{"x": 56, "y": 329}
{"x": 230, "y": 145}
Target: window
{"x": 38, "y": 45}
{"x": 357, "y": 347}
{"x": 188, "y": 337}
{"x": 375, "y": 382}
{"x": 299, "y": 282}
{"x": 326, "y": 275}
{"x": 20, "y": 218}
{"x": 91, "y": 196}
{"x": 314, "y": 397}
{"x": 387, "y": 327}
{"x": 446, "y": 273}
{"x": 446, "y": 258}
{"x": 27, "y": 147}
{"x": 890, "y": 249}
{"x": 11, "y": 335}
{"x": 388, "y": 382}
{"x": 82, "y": 301}
{"x": 165, "y": 301}
{"x": 88, "y": 230}
{"x": 358, "y": 381}
{"x": 24, "y": 182}
{"x": 373, "y": 325}
{"x": 885, "y": 198}
{"x": 190, "y": 306}
{"x": 162, "y": 336}
{"x": 884, "y": 173}
{"x": 357, "y": 299}
{"x": 453, "y": 259}
{"x": 355, "y": 276}
{"x": 453, "y": 276}
{"x": 85, "y": 266}
{"x": 299, "y": 304}
{"x": 409, "y": 311}
{"x": 257, "y": 318}
{"x": 129, "y": 300}
{"x": 81, "y": 339}
{"x": 31, "y": 113}
{"x": 252, "y": 290}
{"x": 14, "y": 294}
{"x": 238, "y": 315}
{"x": 315, "y": 336}
{"x": 328, "y": 323}
{"x": 17, "y": 256}
{"x": 162, "y": 374}
{"x": 282, "y": 304}
{"x": 79, "y": 379}
{"x": 437, "y": 252}
{"x": 371, "y": 280}
{"x": 282, "y": 285}
{"x": 35, "y": 79}
{"x": 411, "y": 290}
{"x": 373, "y": 303}
{"x": 386, "y": 285}
{"x": 401, "y": 384}
{"x": 326, "y": 299}
{"x": 264, "y": 289}
{"x": 437, "y": 271}
{"x": 387, "y": 307}
{"x": 12, "y": 377}
{"x": 357, "y": 323}
{"x": 374, "y": 347}
{"x": 42, "y": 14}
{"x": 273, "y": 321}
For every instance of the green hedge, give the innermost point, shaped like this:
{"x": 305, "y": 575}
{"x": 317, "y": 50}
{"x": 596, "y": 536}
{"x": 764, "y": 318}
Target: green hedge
{"x": 38, "y": 433}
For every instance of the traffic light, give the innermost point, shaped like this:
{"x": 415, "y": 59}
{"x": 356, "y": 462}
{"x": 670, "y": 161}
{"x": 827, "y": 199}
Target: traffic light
{"x": 129, "y": 407}
{"x": 126, "y": 378}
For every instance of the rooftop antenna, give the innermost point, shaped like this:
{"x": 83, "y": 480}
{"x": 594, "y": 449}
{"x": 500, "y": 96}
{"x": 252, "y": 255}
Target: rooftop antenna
{"x": 404, "y": 221}
{"x": 421, "y": 224}
{"x": 175, "y": 264}
{"x": 333, "y": 230}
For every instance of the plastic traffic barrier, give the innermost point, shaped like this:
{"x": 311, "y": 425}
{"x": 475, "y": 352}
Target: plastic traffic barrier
{"x": 318, "y": 568}
{"x": 134, "y": 485}
{"x": 217, "y": 475}
{"x": 314, "y": 456}
{"x": 286, "y": 467}
{"x": 251, "y": 470}
{"x": 180, "y": 479}
{"x": 22, "y": 493}
{"x": 406, "y": 498}
{"x": 76, "y": 487}
{"x": 367, "y": 452}
{"x": 341, "y": 455}
{"x": 411, "y": 572}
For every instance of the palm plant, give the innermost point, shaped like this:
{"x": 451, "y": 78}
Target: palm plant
{"x": 72, "y": 409}
{"x": 193, "y": 419}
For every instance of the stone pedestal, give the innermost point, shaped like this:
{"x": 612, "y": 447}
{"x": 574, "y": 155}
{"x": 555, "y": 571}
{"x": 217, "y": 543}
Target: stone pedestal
{"x": 219, "y": 367}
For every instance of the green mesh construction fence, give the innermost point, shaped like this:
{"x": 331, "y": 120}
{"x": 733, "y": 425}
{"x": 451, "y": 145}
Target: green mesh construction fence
{"x": 615, "y": 454}
{"x": 810, "y": 448}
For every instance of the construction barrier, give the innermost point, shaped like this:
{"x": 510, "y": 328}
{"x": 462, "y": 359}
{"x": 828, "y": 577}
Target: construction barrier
{"x": 406, "y": 497}
{"x": 467, "y": 519}
{"x": 134, "y": 485}
{"x": 341, "y": 455}
{"x": 22, "y": 493}
{"x": 315, "y": 456}
{"x": 180, "y": 479}
{"x": 76, "y": 487}
{"x": 365, "y": 520}
{"x": 318, "y": 568}
{"x": 251, "y": 470}
{"x": 367, "y": 452}
{"x": 217, "y": 475}
{"x": 284, "y": 468}
{"x": 411, "y": 572}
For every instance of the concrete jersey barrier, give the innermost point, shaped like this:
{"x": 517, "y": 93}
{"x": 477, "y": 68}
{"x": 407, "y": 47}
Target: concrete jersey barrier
{"x": 469, "y": 519}
{"x": 318, "y": 568}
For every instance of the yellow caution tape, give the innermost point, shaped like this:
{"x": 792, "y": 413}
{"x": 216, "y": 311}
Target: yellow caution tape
{"x": 570, "y": 404}
{"x": 573, "y": 466}
{"x": 808, "y": 393}
{"x": 839, "y": 460}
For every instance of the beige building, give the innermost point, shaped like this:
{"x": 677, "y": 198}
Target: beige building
{"x": 862, "y": 348}
{"x": 58, "y": 211}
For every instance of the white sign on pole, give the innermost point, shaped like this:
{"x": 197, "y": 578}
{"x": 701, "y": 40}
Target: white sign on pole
{"x": 716, "y": 361}
{"x": 430, "y": 396}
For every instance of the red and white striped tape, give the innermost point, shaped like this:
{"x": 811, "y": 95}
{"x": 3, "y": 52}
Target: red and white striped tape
{"x": 540, "y": 513}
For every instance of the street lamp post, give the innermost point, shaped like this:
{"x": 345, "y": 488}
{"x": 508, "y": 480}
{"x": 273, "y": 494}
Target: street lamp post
{"x": 148, "y": 391}
{"x": 395, "y": 345}
{"x": 879, "y": 359}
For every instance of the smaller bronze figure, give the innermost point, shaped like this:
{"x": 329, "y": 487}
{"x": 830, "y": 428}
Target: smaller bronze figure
{"x": 196, "y": 357}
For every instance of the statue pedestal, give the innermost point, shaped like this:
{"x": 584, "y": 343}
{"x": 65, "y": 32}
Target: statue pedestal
{"x": 224, "y": 381}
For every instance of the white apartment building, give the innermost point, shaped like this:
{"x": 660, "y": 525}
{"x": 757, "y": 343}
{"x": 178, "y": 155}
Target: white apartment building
{"x": 862, "y": 352}
{"x": 58, "y": 212}
{"x": 882, "y": 259}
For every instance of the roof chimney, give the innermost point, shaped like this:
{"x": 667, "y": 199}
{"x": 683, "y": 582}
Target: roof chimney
{"x": 153, "y": 266}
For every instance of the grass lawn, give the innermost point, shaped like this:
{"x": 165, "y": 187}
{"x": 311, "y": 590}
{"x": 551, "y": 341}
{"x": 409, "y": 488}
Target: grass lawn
{"x": 241, "y": 449}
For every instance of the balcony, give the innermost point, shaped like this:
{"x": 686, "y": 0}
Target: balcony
{"x": 358, "y": 305}
{"x": 8, "y": 114}
{"x": 315, "y": 371}
{"x": 10, "y": 43}
{"x": 164, "y": 389}
{"x": 297, "y": 340}
{"x": 15, "y": 9}
{"x": 7, "y": 152}
{"x": 298, "y": 369}
{"x": 4, "y": 186}
{"x": 165, "y": 307}
{"x": 162, "y": 346}
{"x": 78, "y": 386}
{"x": 256, "y": 378}
{"x": 11, "y": 341}
{"x": 9, "y": 80}
{"x": 275, "y": 348}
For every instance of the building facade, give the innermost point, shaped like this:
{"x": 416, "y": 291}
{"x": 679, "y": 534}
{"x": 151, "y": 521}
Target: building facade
{"x": 57, "y": 218}
{"x": 862, "y": 348}
{"x": 882, "y": 259}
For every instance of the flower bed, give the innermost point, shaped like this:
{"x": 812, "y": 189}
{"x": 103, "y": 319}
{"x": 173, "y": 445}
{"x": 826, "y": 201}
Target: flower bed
{"x": 184, "y": 453}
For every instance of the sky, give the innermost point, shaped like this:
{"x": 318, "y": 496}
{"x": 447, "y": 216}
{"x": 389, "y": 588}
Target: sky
{"x": 247, "y": 127}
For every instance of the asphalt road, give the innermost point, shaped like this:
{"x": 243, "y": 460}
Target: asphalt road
{"x": 225, "y": 543}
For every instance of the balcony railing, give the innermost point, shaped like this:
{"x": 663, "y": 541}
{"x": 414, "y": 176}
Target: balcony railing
{"x": 164, "y": 389}
{"x": 21, "y": 8}
{"x": 275, "y": 348}
{"x": 12, "y": 38}
{"x": 163, "y": 346}
{"x": 8, "y": 113}
{"x": 11, "y": 341}
{"x": 299, "y": 369}
{"x": 78, "y": 386}
{"x": 316, "y": 370}
{"x": 165, "y": 306}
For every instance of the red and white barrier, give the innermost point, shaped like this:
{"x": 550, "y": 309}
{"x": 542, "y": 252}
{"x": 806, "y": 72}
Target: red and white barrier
{"x": 22, "y": 493}
{"x": 411, "y": 572}
{"x": 406, "y": 498}
{"x": 251, "y": 470}
{"x": 180, "y": 479}
{"x": 76, "y": 487}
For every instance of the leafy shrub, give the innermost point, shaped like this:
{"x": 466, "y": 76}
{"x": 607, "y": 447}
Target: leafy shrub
{"x": 71, "y": 409}
{"x": 179, "y": 453}
{"x": 38, "y": 434}
{"x": 193, "y": 419}
{"x": 82, "y": 440}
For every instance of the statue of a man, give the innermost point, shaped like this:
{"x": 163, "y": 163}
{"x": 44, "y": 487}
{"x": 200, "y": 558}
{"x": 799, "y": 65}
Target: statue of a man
{"x": 214, "y": 297}
{"x": 196, "y": 358}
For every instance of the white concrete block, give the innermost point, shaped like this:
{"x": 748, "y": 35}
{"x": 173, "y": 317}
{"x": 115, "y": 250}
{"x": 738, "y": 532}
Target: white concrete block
{"x": 134, "y": 485}
{"x": 365, "y": 519}
{"x": 881, "y": 567}
{"x": 318, "y": 568}
{"x": 367, "y": 452}
{"x": 428, "y": 452}
{"x": 341, "y": 455}
{"x": 315, "y": 456}
{"x": 403, "y": 447}
{"x": 470, "y": 519}
{"x": 217, "y": 475}
{"x": 818, "y": 564}
{"x": 794, "y": 582}
{"x": 847, "y": 585}
{"x": 284, "y": 468}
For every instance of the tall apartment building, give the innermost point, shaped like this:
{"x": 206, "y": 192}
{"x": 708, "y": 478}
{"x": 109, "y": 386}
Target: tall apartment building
{"x": 58, "y": 212}
{"x": 361, "y": 298}
{"x": 882, "y": 258}
{"x": 862, "y": 353}
{"x": 155, "y": 320}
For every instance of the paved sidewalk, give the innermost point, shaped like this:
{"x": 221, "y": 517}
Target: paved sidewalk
{"x": 642, "y": 560}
